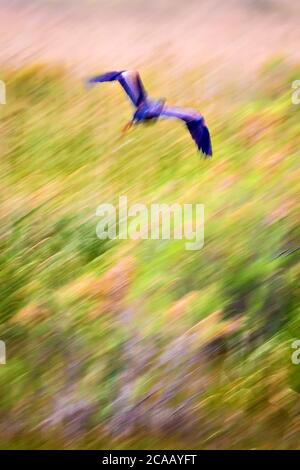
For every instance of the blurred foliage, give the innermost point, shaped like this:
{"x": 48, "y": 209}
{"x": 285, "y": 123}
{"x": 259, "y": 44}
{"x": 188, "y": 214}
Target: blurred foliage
{"x": 143, "y": 344}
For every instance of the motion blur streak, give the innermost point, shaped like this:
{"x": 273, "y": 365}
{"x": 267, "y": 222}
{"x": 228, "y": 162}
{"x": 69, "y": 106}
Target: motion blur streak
{"x": 141, "y": 343}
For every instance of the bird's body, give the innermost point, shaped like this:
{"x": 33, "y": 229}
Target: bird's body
{"x": 149, "y": 110}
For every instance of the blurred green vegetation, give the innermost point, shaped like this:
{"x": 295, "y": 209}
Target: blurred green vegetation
{"x": 142, "y": 344}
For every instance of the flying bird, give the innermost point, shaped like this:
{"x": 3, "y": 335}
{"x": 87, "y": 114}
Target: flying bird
{"x": 148, "y": 110}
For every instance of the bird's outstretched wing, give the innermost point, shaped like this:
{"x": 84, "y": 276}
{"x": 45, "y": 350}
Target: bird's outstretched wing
{"x": 195, "y": 124}
{"x": 130, "y": 81}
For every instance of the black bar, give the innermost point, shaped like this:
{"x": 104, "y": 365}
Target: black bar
{"x": 138, "y": 458}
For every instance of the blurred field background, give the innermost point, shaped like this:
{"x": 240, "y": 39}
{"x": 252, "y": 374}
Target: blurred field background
{"x": 142, "y": 344}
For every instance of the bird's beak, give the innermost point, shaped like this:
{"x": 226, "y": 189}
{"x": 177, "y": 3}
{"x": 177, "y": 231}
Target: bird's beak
{"x": 127, "y": 127}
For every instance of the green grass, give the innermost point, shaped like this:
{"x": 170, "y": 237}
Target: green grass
{"x": 144, "y": 337}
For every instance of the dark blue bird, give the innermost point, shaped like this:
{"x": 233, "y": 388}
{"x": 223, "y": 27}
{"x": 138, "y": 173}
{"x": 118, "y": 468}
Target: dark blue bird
{"x": 148, "y": 110}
